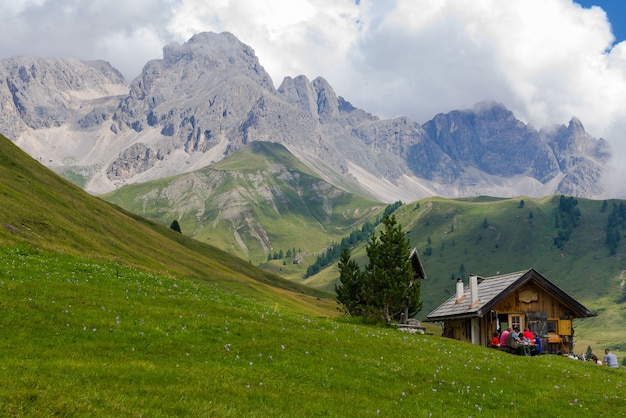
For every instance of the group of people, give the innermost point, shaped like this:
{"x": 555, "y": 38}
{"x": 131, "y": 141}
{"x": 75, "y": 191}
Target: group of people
{"x": 527, "y": 343}
{"x": 609, "y": 359}
{"x": 523, "y": 343}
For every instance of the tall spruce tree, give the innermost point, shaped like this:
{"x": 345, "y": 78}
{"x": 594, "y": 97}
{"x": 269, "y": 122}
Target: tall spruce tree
{"x": 390, "y": 274}
{"x": 387, "y": 285}
{"x": 351, "y": 284}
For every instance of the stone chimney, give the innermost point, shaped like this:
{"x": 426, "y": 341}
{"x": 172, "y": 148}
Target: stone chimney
{"x": 460, "y": 295}
{"x": 473, "y": 290}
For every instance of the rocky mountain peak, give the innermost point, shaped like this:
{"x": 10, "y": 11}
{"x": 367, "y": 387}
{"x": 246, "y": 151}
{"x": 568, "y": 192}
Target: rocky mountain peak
{"x": 299, "y": 92}
{"x": 327, "y": 102}
{"x": 493, "y": 111}
{"x": 316, "y": 98}
{"x": 218, "y": 53}
{"x": 575, "y": 127}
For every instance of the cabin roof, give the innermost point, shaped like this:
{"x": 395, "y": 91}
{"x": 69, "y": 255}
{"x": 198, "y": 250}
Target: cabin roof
{"x": 418, "y": 268}
{"x": 492, "y": 290}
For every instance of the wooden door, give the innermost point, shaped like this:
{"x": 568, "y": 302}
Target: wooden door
{"x": 538, "y": 323}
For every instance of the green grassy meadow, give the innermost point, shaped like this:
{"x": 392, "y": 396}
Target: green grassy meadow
{"x": 83, "y": 337}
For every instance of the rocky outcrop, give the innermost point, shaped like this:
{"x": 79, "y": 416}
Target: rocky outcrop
{"x": 489, "y": 138}
{"x": 42, "y": 93}
{"x": 135, "y": 159}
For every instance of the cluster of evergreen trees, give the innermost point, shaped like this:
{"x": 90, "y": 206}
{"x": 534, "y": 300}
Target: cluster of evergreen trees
{"x": 567, "y": 218}
{"x": 615, "y": 222}
{"x": 279, "y": 255}
{"x": 387, "y": 285}
{"x": 333, "y": 252}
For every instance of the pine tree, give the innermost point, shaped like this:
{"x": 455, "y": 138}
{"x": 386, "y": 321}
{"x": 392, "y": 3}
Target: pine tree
{"x": 387, "y": 284}
{"x": 351, "y": 284}
{"x": 390, "y": 273}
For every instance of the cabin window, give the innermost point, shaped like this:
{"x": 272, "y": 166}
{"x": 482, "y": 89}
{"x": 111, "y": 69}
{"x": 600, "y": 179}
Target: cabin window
{"x": 552, "y": 327}
{"x": 515, "y": 321}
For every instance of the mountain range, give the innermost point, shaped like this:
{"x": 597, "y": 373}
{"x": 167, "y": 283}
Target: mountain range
{"x": 210, "y": 97}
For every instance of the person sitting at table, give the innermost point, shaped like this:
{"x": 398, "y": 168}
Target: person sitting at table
{"x": 495, "y": 340}
{"x": 522, "y": 338}
{"x": 512, "y": 341}
{"x": 515, "y": 334}
{"x": 517, "y": 344}
{"x": 528, "y": 334}
{"x": 503, "y": 337}
{"x": 536, "y": 348}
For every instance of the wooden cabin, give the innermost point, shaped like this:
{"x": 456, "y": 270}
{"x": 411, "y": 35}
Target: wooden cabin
{"x": 522, "y": 299}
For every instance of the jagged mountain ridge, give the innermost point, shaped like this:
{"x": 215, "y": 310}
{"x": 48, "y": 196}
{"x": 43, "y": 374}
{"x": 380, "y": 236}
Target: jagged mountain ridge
{"x": 210, "y": 96}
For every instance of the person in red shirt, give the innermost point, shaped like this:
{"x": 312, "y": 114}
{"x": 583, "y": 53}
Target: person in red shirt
{"x": 529, "y": 335}
{"x": 495, "y": 340}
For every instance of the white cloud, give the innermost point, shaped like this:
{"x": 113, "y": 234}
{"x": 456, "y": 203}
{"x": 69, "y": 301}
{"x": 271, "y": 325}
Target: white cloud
{"x": 546, "y": 59}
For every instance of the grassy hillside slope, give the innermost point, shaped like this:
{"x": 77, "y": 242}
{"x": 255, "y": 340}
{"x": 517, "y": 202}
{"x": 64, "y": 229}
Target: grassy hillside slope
{"x": 42, "y": 210}
{"x": 488, "y": 236}
{"x": 94, "y": 338}
{"x": 255, "y": 203}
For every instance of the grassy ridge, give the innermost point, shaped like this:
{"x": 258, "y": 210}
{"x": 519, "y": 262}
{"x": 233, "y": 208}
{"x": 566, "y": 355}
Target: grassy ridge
{"x": 44, "y": 211}
{"x": 84, "y": 337}
{"x": 514, "y": 240}
{"x": 254, "y": 203}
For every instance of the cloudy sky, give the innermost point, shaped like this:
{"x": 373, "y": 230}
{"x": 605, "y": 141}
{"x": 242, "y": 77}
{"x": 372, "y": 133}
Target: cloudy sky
{"x": 546, "y": 60}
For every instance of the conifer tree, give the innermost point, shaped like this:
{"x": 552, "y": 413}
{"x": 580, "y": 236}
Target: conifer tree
{"x": 175, "y": 226}
{"x": 390, "y": 273}
{"x": 387, "y": 284}
{"x": 351, "y": 284}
